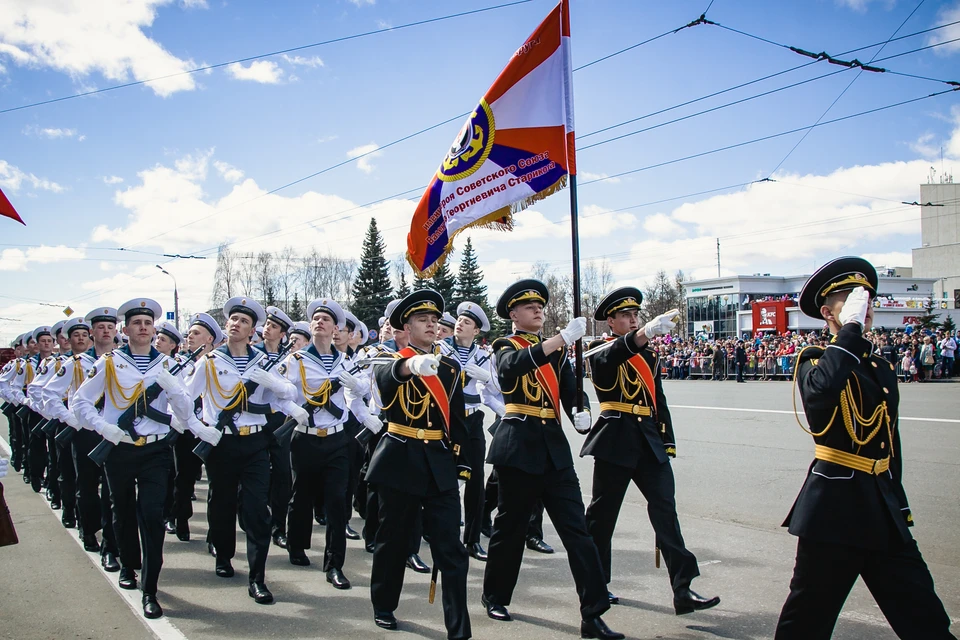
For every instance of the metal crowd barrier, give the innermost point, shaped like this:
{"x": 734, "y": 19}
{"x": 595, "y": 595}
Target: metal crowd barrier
{"x": 723, "y": 368}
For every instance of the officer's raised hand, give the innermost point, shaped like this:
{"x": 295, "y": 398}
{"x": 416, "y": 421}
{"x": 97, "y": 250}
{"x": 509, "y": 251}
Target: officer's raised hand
{"x": 662, "y": 324}
{"x": 855, "y": 307}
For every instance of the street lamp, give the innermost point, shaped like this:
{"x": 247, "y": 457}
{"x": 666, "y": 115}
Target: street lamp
{"x": 176, "y": 298}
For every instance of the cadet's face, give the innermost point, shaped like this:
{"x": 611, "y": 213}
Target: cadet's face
{"x": 386, "y": 332}
{"x": 139, "y": 329}
{"x": 198, "y": 337}
{"x": 443, "y": 331}
{"x": 322, "y": 325}
{"x": 239, "y": 327}
{"x": 355, "y": 338}
{"x": 528, "y": 316}
{"x": 104, "y": 332}
{"x": 62, "y": 342}
{"x": 623, "y": 322}
{"x": 422, "y": 329}
{"x": 831, "y": 310}
{"x": 31, "y": 346}
{"x": 45, "y": 345}
{"x": 466, "y": 328}
{"x": 298, "y": 340}
{"x": 341, "y": 337}
{"x": 165, "y": 345}
{"x": 272, "y": 331}
{"x": 79, "y": 340}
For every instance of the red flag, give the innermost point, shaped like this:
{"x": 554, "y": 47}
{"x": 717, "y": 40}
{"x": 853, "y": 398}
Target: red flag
{"x": 6, "y": 209}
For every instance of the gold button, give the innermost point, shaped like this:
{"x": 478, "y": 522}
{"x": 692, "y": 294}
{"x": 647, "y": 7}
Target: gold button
{"x": 431, "y": 404}
{"x": 420, "y": 434}
{"x": 885, "y": 390}
{"x": 429, "y": 424}
{"x": 543, "y": 413}
{"x": 874, "y": 364}
{"x": 636, "y": 409}
{"x": 883, "y": 445}
{"x": 543, "y": 422}
{"x": 891, "y": 367}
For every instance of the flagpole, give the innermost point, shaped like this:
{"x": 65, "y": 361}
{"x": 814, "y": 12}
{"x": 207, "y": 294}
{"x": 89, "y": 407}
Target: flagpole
{"x": 575, "y": 237}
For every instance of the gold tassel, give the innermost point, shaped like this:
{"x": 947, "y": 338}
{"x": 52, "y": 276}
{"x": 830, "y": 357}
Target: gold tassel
{"x": 433, "y": 585}
{"x": 656, "y": 561}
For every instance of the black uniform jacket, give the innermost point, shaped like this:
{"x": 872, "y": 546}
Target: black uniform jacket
{"x": 407, "y": 464}
{"x": 618, "y": 437}
{"x": 522, "y": 441}
{"x": 837, "y": 504}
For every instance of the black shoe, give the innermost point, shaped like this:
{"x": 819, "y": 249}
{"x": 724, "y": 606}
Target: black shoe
{"x": 280, "y": 540}
{"x": 337, "y": 579}
{"x": 351, "y": 534}
{"x": 55, "y": 504}
{"x": 299, "y": 558}
{"x": 687, "y": 601}
{"x": 193, "y": 496}
{"x": 212, "y": 550}
{"x": 486, "y": 530}
{"x": 15, "y": 463}
{"x": 477, "y": 552}
{"x": 369, "y": 547}
{"x": 26, "y": 478}
{"x": 109, "y": 562}
{"x": 68, "y": 521}
{"x": 151, "y": 608}
{"x": 90, "y": 544}
{"x": 538, "y": 545}
{"x": 48, "y": 494}
{"x": 183, "y": 530}
{"x": 385, "y": 620}
{"x": 224, "y": 570}
{"x": 418, "y": 565}
{"x": 612, "y": 599}
{"x": 597, "y": 628}
{"x": 321, "y": 519}
{"x": 496, "y": 611}
{"x": 259, "y": 592}
{"x": 170, "y": 527}
{"x": 128, "y": 579}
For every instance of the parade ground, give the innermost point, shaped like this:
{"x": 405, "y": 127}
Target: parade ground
{"x": 741, "y": 461}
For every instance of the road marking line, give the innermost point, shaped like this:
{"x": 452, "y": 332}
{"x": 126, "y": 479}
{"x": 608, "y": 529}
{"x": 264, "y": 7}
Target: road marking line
{"x": 161, "y": 628}
{"x": 790, "y": 413}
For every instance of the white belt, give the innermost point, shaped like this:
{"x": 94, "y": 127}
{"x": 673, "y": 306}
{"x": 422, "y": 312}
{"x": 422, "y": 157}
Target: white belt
{"x": 243, "y": 430}
{"x": 311, "y": 431}
{"x": 472, "y": 410}
{"x": 142, "y": 440}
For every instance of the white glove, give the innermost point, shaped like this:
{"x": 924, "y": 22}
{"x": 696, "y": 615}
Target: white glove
{"x": 582, "y": 422}
{"x": 373, "y": 423}
{"x": 209, "y": 435}
{"x": 176, "y": 425}
{"x": 263, "y": 378}
{"x": 3, "y": 467}
{"x": 855, "y": 307}
{"x": 301, "y": 415}
{"x": 71, "y": 421}
{"x": 477, "y": 372}
{"x": 350, "y": 381}
{"x": 575, "y": 330}
{"x": 168, "y": 382}
{"x": 662, "y": 324}
{"x": 425, "y": 365}
{"x": 111, "y": 432}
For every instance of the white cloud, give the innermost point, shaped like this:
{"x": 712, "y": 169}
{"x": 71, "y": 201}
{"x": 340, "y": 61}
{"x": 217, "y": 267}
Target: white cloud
{"x": 323, "y": 139}
{"x": 228, "y": 172}
{"x": 12, "y": 178}
{"x": 862, "y": 5}
{"x": 946, "y": 14}
{"x": 112, "y": 179}
{"x": 17, "y": 259}
{"x": 70, "y": 37}
{"x": 368, "y": 153}
{"x": 264, "y": 71}
{"x": 52, "y": 133}
{"x": 313, "y": 61}
{"x": 194, "y": 4}
{"x": 659, "y": 224}
{"x": 360, "y": 3}
{"x": 588, "y": 177}
{"x": 889, "y": 259}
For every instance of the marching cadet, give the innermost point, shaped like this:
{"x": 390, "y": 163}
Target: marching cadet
{"x": 633, "y": 440}
{"x": 417, "y": 464}
{"x": 275, "y": 331}
{"x": 63, "y": 344}
{"x": 45, "y": 370}
{"x": 7, "y": 373}
{"x": 137, "y": 468}
{"x": 356, "y": 337}
{"x": 240, "y": 460}
{"x": 203, "y": 332}
{"x": 532, "y": 457}
{"x": 23, "y": 374}
{"x": 851, "y": 516}
{"x": 477, "y": 371}
{"x": 36, "y": 443}
{"x": 168, "y": 339}
{"x": 320, "y": 445}
{"x": 446, "y": 326}
{"x": 55, "y": 400}
{"x": 300, "y": 335}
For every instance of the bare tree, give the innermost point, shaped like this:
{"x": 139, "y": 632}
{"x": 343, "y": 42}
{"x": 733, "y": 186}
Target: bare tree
{"x": 224, "y": 278}
{"x": 660, "y": 296}
{"x": 560, "y": 309}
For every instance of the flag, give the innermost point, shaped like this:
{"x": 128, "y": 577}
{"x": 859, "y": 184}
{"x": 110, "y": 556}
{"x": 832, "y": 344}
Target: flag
{"x": 515, "y": 148}
{"x": 6, "y": 209}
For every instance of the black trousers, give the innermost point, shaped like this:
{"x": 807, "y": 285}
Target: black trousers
{"x": 53, "y": 467}
{"x": 372, "y": 522}
{"x": 37, "y": 451}
{"x": 355, "y": 453}
{"x": 68, "y": 475}
{"x": 559, "y": 489}
{"x": 94, "y": 508}
{"x": 138, "y": 486}
{"x": 473, "y": 492}
{"x": 440, "y": 513}
{"x": 320, "y": 467}
{"x": 898, "y": 579}
{"x": 186, "y": 467}
{"x": 13, "y": 426}
{"x": 492, "y": 497}
{"x": 280, "y": 476}
{"x": 655, "y": 481}
{"x": 240, "y": 464}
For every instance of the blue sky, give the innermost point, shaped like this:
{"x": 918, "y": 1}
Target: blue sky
{"x": 128, "y": 168}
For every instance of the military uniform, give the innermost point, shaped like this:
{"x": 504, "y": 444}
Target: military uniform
{"x": 851, "y": 516}
{"x": 415, "y": 468}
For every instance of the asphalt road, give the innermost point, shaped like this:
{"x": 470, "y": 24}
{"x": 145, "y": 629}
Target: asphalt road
{"x": 737, "y": 474}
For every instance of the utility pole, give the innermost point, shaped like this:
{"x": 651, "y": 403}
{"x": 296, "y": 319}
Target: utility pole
{"x": 176, "y": 299}
{"x": 718, "y": 257}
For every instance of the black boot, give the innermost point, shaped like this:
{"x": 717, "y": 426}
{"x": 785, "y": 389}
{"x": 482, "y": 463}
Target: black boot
{"x": 687, "y": 601}
{"x": 597, "y": 628}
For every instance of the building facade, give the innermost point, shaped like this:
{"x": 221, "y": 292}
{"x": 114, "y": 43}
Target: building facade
{"x": 938, "y": 256}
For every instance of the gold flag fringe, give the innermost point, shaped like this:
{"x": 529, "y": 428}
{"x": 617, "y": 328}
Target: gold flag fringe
{"x": 500, "y": 220}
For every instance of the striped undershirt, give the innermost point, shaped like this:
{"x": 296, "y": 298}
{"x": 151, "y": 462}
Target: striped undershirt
{"x": 142, "y": 362}
{"x": 241, "y": 362}
{"x": 464, "y": 354}
{"x": 327, "y": 360}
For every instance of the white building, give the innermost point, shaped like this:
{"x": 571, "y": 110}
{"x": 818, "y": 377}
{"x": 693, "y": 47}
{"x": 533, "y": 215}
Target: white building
{"x": 938, "y": 256}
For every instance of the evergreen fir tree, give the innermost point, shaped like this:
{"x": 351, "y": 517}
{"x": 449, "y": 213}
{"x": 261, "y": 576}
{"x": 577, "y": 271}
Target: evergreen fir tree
{"x": 372, "y": 287}
{"x": 445, "y": 283}
{"x": 470, "y": 279}
{"x": 296, "y": 308}
{"x": 403, "y": 289}
{"x": 419, "y": 282}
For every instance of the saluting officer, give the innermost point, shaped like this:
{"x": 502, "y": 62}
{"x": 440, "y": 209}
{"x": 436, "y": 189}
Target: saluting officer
{"x": 417, "y": 464}
{"x": 240, "y": 459}
{"x": 137, "y": 468}
{"x": 633, "y": 440}
{"x": 852, "y": 517}
{"x": 532, "y": 457}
